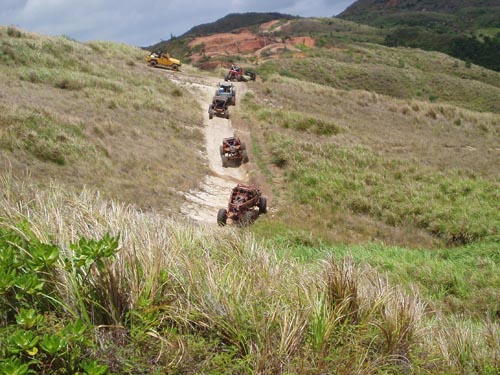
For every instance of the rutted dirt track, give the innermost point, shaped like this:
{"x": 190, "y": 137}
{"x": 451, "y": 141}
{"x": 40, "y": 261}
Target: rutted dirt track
{"x": 203, "y": 203}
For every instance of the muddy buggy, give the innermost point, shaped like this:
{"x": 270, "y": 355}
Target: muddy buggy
{"x": 218, "y": 107}
{"x": 236, "y": 73}
{"x": 228, "y": 90}
{"x": 242, "y": 201}
{"x": 234, "y": 151}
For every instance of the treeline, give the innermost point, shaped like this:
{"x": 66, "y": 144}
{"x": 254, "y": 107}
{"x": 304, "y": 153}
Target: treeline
{"x": 483, "y": 51}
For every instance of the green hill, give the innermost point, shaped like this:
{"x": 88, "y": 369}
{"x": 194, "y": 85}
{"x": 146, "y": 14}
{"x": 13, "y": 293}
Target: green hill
{"x": 469, "y": 30}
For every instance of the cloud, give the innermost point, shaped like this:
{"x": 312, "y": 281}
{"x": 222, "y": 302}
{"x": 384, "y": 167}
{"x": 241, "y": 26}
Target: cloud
{"x": 143, "y": 22}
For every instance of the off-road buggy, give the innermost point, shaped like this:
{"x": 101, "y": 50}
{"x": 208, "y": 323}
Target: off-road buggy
{"x": 242, "y": 201}
{"x": 228, "y": 90}
{"x": 160, "y": 59}
{"x": 218, "y": 107}
{"x": 233, "y": 150}
{"x": 236, "y": 73}
{"x": 249, "y": 75}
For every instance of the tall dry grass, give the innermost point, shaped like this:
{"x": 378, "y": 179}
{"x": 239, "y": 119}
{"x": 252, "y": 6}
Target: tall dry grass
{"x": 174, "y": 284}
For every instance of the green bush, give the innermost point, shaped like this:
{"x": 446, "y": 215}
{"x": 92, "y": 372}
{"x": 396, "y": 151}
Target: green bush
{"x": 39, "y": 331}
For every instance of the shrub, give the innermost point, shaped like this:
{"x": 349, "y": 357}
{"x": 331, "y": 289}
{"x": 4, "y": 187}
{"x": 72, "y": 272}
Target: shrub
{"x": 14, "y": 32}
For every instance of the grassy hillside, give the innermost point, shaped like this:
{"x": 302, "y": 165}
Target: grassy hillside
{"x": 379, "y": 253}
{"x": 403, "y": 73}
{"x": 94, "y": 114}
{"x": 411, "y": 164}
{"x": 466, "y": 29}
{"x": 462, "y": 14}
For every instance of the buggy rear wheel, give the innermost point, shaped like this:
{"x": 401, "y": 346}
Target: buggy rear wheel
{"x": 222, "y": 217}
{"x": 221, "y": 150}
{"x": 224, "y": 161}
{"x": 245, "y": 156}
{"x": 262, "y": 205}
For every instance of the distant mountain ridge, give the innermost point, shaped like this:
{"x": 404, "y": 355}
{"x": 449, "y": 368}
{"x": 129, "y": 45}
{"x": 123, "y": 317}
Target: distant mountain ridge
{"x": 414, "y": 5}
{"x": 236, "y": 21}
{"x": 457, "y": 14}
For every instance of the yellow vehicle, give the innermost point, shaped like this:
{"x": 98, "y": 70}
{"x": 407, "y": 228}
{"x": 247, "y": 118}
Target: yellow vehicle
{"x": 160, "y": 59}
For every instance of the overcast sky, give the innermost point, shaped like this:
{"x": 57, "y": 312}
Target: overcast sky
{"x": 143, "y": 22}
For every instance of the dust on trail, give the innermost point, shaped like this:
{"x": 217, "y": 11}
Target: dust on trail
{"x": 213, "y": 192}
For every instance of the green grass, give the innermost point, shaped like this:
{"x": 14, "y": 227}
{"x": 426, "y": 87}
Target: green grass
{"x": 401, "y": 73}
{"x": 330, "y": 179}
{"x": 461, "y": 281}
{"x": 44, "y": 137}
{"x": 299, "y": 121}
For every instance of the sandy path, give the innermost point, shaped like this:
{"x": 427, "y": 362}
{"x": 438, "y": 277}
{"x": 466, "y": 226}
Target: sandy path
{"x": 203, "y": 203}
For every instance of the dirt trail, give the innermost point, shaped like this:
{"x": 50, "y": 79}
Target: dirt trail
{"x": 203, "y": 203}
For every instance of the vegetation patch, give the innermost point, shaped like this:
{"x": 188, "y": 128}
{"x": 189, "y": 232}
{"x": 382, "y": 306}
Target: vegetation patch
{"x": 451, "y": 206}
{"x": 398, "y": 73}
{"x": 43, "y": 136}
{"x": 298, "y": 121}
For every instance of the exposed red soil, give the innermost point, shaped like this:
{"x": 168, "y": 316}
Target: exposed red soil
{"x": 229, "y": 43}
{"x": 247, "y": 43}
{"x": 305, "y": 40}
{"x": 268, "y": 25}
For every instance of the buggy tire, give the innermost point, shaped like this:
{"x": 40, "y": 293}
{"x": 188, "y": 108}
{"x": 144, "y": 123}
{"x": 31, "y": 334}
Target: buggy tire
{"x": 226, "y": 114}
{"x": 263, "y": 205}
{"x": 222, "y": 217}
{"x": 153, "y": 62}
{"x": 224, "y": 161}
{"x": 227, "y": 77}
{"x": 243, "y": 146}
{"x": 221, "y": 150}
{"x": 245, "y": 156}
